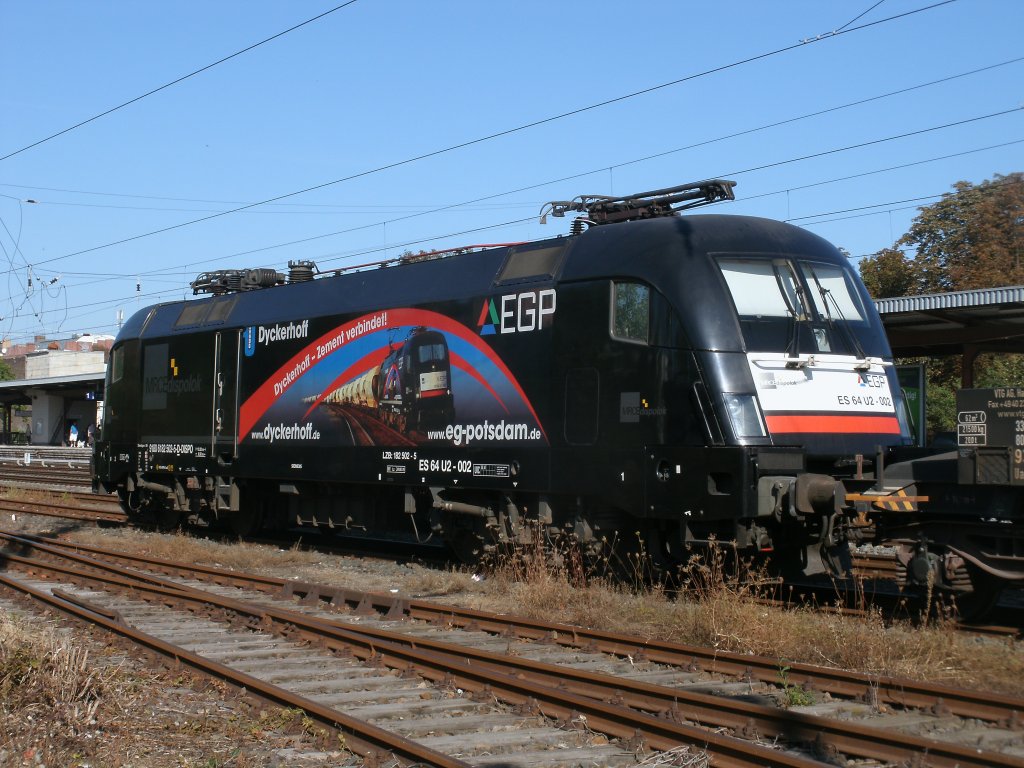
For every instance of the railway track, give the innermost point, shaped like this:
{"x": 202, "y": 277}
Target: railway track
{"x": 450, "y": 673}
{"x": 869, "y": 569}
{"x": 68, "y": 468}
{"x": 68, "y": 505}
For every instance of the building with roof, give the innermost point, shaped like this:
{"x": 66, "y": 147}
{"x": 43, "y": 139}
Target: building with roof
{"x": 57, "y": 383}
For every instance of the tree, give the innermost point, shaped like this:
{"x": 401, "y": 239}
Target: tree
{"x": 887, "y": 273}
{"x": 6, "y": 372}
{"x": 972, "y": 238}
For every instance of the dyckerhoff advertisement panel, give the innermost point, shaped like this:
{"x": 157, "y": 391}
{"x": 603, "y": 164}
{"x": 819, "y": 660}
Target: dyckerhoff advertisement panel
{"x": 409, "y": 380}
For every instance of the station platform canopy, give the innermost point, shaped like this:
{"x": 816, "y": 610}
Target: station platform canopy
{"x": 964, "y": 323}
{"x": 17, "y": 392}
{"x": 56, "y": 402}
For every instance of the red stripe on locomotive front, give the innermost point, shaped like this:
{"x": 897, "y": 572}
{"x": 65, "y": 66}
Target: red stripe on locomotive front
{"x": 825, "y": 423}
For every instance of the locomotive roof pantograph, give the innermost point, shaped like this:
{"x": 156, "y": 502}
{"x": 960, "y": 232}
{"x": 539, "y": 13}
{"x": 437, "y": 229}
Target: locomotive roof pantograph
{"x": 603, "y": 209}
{"x": 224, "y": 281}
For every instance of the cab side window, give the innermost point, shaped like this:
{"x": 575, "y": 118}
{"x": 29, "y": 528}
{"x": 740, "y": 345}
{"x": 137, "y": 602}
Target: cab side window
{"x": 631, "y": 312}
{"x": 117, "y": 365}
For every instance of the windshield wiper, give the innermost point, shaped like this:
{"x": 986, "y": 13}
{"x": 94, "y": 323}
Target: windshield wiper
{"x": 795, "y": 315}
{"x": 844, "y": 329}
{"x": 791, "y": 343}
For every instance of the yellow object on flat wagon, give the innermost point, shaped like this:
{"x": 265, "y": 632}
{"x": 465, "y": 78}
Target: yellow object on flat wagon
{"x": 897, "y": 500}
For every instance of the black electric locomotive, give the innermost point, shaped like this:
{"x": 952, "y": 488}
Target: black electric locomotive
{"x": 688, "y": 378}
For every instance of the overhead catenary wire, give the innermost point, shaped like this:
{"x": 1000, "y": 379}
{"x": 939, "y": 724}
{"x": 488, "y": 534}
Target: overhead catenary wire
{"x": 110, "y": 303}
{"x": 170, "y": 270}
{"x": 824, "y": 153}
{"x": 334, "y": 212}
{"x": 505, "y": 132}
{"x": 884, "y": 208}
{"x": 201, "y": 260}
{"x": 174, "y": 82}
{"x": 861, "y": 145}
{"x": 380, "y": 249}
{"x": 883, "y": 170}
{"x": 863, "y": 208}
{"x": 585, "y": 173}
{"x": 859, "y": 17}
{"x": 432, "y": 238}
{"x": 995, "y": 185}
{"x": 623, "y": 164}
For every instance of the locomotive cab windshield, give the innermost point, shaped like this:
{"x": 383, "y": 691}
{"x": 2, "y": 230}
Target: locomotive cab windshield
{"x": 816, "y": 353}
{"x": 800, "y": 306}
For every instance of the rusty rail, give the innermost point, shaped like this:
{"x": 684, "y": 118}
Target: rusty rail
{"x": 615, "y": 720}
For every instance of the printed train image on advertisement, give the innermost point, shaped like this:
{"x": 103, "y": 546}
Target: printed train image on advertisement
{"x": 655, "y": 379}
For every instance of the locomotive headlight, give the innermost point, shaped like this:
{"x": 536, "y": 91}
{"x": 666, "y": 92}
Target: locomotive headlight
{"x": 745, "y": 415}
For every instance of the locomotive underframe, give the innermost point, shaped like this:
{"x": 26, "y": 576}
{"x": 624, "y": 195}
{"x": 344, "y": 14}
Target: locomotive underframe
{"x": 953, "y": 551}
{"x": 694, "y": 497}
{"x": 791, "y": 518}
{"x": 650, "y": 413}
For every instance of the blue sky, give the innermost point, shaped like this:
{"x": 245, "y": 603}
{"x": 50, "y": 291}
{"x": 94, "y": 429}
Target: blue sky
{"x": 381, "y": 82}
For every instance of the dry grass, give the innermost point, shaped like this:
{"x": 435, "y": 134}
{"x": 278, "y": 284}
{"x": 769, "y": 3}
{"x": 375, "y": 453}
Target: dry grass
{"x": 66, "y": 701}
{"x": 443, "y": 583}
{"x": 724, "y": 610}
{"x": 238, "y": 555}
{"x": 50, "y": 694}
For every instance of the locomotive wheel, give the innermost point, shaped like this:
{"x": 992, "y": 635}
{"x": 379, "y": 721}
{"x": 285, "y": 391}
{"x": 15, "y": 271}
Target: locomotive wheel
{"x": 971, "y": 605}
{"x": 788, "y": 562}
{"x": 656, "y": 559}
{"x": 468, "y": 546}
{"x": 145, "y": 508}
{"x": 646, "y": 555}
{"x": 469, "y": 538}
{"x": 669, "y": 557}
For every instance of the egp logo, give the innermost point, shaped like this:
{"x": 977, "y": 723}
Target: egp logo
{"x": 518, "y": 312}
